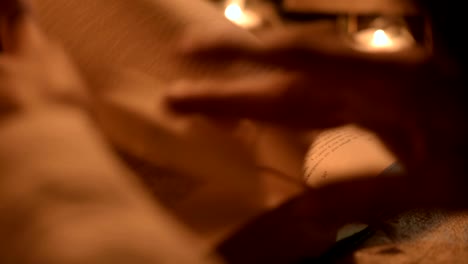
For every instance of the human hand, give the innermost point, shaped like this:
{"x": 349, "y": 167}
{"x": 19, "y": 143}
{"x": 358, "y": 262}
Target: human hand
{"x": 321, "y": 82}
{"x": 34, "y": 70}
{"x": 318, "y": 83}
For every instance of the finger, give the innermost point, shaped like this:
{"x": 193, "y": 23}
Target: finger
{"x": 195, "y": 41}
{"x": 317, "y": 98}
{"x": 327, "y": 59}
{"x": 300, "y": 47}
{"x": 232, "y": 99}
{"x": 276, "y": 97}
{"x": 20, "y": 33}
{"x": 271, "y": 40}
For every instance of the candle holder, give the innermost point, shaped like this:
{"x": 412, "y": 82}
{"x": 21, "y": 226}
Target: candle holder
{"x": 372, "y": 25}
{"x": 374, "y": 33}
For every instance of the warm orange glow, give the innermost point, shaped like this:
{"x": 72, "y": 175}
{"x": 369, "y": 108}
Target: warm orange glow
{"x": 380, "y": 39}
{"x": 234, "y": 12}
{"x": 238, "y": 15}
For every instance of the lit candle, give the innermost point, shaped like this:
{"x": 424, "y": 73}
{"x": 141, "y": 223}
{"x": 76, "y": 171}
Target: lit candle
{"x": 236, "y": 13}
{"x": 386, "y": 40}
{"x": 380, "y": 39}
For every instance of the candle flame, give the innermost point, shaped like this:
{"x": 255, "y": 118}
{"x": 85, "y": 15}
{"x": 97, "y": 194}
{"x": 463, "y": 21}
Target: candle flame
{"x": 381, "y": 39}
{"x": 234, "y": 12}
{"x": 240, "y": 16}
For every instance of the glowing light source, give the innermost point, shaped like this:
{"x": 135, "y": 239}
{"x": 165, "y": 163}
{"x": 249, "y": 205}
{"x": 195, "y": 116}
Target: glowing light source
{"x": 373, "y": 39}
{"x": 236, "y": 13}
{"x": 233, "y": 12}
{"x": 381, "y": 39}
{"x": 376, "y": 33}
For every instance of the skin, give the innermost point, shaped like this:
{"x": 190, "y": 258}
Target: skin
{"x": 411, "y": 99}
{"x": 56, "y": 166}
{"x": 406, "y": 121}
{"x": 391, "y": 94}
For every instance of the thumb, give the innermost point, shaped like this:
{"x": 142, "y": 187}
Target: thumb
{"x": 278, "y": 98}
{"x": 252, "y": 95}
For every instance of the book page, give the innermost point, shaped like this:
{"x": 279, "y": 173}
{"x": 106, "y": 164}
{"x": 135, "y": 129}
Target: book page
{"x": 344, "y": 152}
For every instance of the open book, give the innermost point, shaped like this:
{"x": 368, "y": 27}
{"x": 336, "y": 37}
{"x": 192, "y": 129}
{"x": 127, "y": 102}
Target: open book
{"x": 218, "y": 178}
{"x": 343, "y": 153}
{"x": 224, "y": 183}
{"x": 338, "y": 153}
